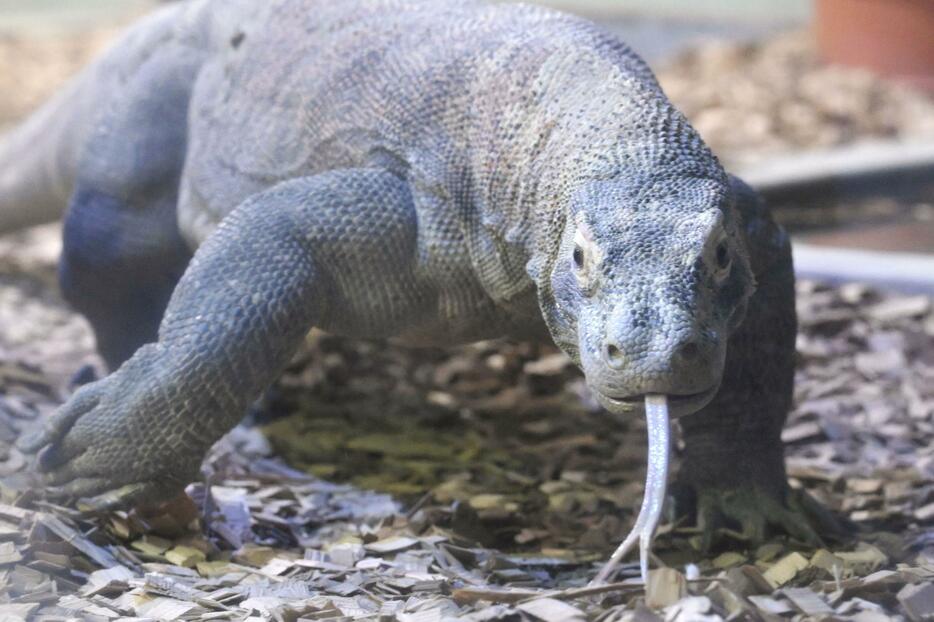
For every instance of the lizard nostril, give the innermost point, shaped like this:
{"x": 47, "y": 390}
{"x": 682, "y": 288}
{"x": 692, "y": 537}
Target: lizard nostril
{"x": 614, "y": 356}
{"x": 689, "y": 351}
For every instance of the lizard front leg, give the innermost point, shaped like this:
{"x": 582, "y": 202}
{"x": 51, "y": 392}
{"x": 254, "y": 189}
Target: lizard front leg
{"x": 249, "y": 296}
{"x": 734, "y": 465}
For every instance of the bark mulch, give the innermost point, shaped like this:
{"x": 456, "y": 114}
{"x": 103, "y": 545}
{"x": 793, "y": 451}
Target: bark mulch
{"x": 499, "y": 488}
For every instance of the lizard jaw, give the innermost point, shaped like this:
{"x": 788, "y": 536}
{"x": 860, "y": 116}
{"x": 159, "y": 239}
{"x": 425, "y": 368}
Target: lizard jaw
{"x": 679, "y": 405}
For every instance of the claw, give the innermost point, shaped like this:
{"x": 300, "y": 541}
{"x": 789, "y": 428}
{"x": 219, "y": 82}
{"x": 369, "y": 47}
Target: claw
{"x": 91, "y": 500}
{"x": 61, "y": 422}
{"x": 33, "y": 440}
{"x": 833, "y": 526}
{"x": 80, "y": 487}
{"x": 121, "y": 497}
{"x": 89, "y": 450}
{"x": 55, "y": 457}
{"x": 62, "y": 474}
{"x": 754, "y": 511}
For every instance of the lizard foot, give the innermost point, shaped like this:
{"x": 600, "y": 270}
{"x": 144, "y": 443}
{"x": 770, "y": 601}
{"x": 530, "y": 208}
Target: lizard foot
{"x": 757, "y": 511}
{"x": 113, "y": 444}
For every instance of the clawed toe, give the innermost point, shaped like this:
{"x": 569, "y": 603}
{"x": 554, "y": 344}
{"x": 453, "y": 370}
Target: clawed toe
{"x": 59, "y": 424}
{"x": 125, "y": 496}
{"x": 77, "y": 488}
{"x": 826, "y": 522}
{"x": 32, "y": 441}
{"x": 755, "y": 513}
{"x": 96, "y": 494}
{"x": 56, "y": 460}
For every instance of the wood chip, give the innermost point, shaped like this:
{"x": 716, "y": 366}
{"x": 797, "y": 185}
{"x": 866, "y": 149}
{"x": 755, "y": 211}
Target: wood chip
{"x": 151, "y": 545}
{"x": 185, "y": 556}
{"x": 9, "y": 554}
{"x": 865, "y": 486}
{"x": 864, "y": 560}
{"x": 728, "y": 560}
{"x": 925, "y": 513}
{"x": 769, "y": 605}
{"x": 828, "y": 562}
{"x": 666, "y": 586}
{"x": 277, "y": 566}
{"x": 164, "y": 608}
{"x": 469, "y": 595}
{"x": 551, "y": 610}
{"x": 785, "y": 569}
{"x": 14, "y": 611}
{"x": 803, "y": 431}
{"x": 918, "y": 601}
{"x": 807, "y": 601}
{"x": 70, "y": 535}
{"x": 391, "y": 545}
{"x": 900, "y": 308}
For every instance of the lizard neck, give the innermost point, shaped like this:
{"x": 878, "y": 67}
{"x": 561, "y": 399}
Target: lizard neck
{"x": 586, "y": 115}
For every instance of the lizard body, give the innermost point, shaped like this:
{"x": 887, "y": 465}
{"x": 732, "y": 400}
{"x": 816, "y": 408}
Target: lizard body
{"x": 432, "y": 172}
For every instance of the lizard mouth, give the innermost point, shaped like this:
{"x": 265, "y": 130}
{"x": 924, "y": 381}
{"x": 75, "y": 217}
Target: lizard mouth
{"x": 679, "y": 405}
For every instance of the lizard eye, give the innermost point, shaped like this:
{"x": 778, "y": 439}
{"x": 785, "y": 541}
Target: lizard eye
{"x": 586, "y": 258}
{"x": 724, "y": 259}
{"x": 723, "y": 256}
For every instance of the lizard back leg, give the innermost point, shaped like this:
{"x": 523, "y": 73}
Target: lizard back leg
{"x": 119, "y": 266}
{"x": 122, "y": 249}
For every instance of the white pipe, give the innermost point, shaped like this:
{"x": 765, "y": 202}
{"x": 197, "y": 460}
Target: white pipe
{"x": 906, "y": 272}
{"x": 867, "y": 159}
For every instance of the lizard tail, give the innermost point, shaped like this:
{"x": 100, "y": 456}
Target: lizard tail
{"x": 38, "y": 158}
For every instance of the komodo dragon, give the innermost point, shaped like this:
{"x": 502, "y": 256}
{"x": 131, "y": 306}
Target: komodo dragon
{"x": 234, "y": 173}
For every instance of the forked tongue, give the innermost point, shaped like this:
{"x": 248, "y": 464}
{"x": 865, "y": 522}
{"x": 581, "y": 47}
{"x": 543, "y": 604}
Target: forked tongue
{"x": 656, "y": 478}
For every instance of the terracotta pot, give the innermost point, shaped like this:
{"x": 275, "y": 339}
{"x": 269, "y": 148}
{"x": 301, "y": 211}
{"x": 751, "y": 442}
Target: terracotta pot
{"x": 894, "y": 38}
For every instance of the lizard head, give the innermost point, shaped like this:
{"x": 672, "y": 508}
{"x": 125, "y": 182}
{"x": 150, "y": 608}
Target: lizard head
{"x": 646, "y": 286}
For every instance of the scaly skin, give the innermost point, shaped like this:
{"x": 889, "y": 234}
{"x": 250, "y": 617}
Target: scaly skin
{"x": 428, "y": 171}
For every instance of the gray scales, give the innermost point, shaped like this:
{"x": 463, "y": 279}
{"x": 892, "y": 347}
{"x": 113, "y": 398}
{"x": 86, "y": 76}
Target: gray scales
{"x": 233, "y": 174}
